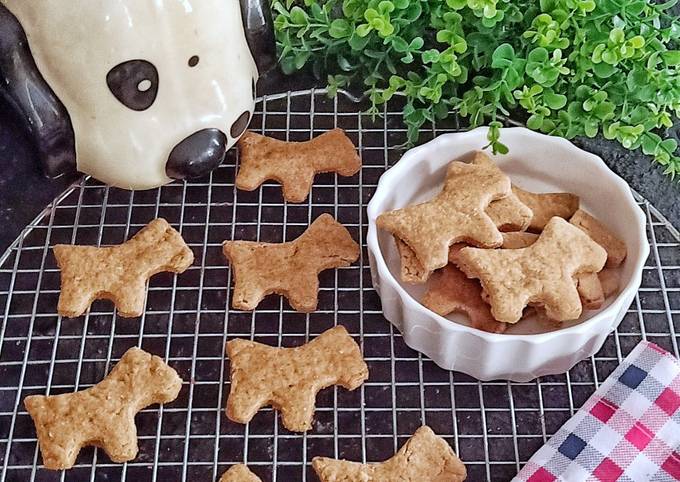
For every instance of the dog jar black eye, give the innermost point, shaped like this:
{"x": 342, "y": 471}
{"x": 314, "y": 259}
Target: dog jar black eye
{"x": 134, "y": 83}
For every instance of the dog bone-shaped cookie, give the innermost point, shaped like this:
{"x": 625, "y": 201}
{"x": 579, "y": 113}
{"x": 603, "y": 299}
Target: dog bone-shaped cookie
{"x": 239, "y": 473}
{"x": 294, "y": 164}
{"x": 425, "y": 457}
{"x": 290, "y": 269}
{"x": 103, "y": 415}
{"x": 545, "y": 206}
{"x": 456, "y": 214}
{"x": 289, "y": 378}
{"x": 542, "y": 273}
{"x": 119, "y": 273}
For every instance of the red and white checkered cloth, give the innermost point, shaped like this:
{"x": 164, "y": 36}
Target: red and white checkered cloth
{"x": 629, "y": 430}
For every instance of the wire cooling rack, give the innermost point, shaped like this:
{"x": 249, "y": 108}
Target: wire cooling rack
{"x": 495, "y": 427}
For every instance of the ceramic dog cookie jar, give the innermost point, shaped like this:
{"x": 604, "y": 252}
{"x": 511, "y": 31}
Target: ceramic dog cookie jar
{"x": 133, "y": 92}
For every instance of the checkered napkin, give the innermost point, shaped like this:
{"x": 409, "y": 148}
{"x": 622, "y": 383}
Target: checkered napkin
{"x": 629, "y": 430}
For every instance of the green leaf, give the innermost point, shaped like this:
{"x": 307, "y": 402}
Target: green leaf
{"x": 456, "y": 4}
{"x": 617, "y": 35}
{"x": 502, "y": 56}
{"x": 547, "y": 5}
{"x": 591, "y": 129}
{"x": 301, "y": 59}
{"x": 635, "y": 8}
{"x": 553, "y": 100}
{"x": 281, "y": 22}
{"x": 358, "y": 43}
{"x": 386, "y": 6}
{"x": 669, "y": 145}
{"x": 538, "y": 55}
{"x": 430, "y": 56}
{"x": 535, "y": 122}
{"x": 636, "y": 77}
{"x": 444, "y": 36}
{"x": 650, "y": 143}
{"x": 500, "y": 148}
{"x": 413, "y": 12}
{"x": 671, "y": 57}
{"x": 666, "y": 5}
{"x": 299, "y": 16}
{"x": 604, "y": 70}
{"x": 363, "y": 30}
{"x": 340, "y": 28}
{"x": 344, "y": 64}
{"x": 407, "y": 59}
{"x": 399, "y": 44}
{"x": 416, "y": 44}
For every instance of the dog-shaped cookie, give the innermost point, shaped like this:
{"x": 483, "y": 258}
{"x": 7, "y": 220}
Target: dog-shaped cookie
{"x": 294, "y": 164}
{"x": 290, "y": 378}
{"x": 543, "y": 273}
{"x": 119, "y": 273}
{"x": 290, "y": 269}
{"x": 103, "y": 415}
{"x": 425, "y": 457}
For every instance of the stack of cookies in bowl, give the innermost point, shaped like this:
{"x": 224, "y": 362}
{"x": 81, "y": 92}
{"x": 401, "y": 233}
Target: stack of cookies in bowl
{"x": 505, "y": 266}
{"x": 496, "y": 252}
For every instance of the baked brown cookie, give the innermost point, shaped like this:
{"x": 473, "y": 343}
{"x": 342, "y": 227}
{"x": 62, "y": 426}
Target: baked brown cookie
{"x": 412, "y": 271}
{"x": 545, "y": 206}
{"x": 294, "y": 164}
{"x": 450, "y": 291}
{"x": 239, "y": 473}
{"x": 509, "y": 213}
{"x": 542, "y": 273}
{"x": 290, "y": 269}
{"x": 616, "y": 249}
{"x": 119, "y": 273}
{"x": 289, "y": 378}
{"x": 425, "y": 457}
{"x": 456, "y": 214}
{"x": 103, "y": 415}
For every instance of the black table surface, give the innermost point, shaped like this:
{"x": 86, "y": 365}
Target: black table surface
{"x": 25, "y": 191}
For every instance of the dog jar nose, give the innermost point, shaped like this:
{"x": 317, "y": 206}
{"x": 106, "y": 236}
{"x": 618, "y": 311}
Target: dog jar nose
{"x": 197, "y": 155}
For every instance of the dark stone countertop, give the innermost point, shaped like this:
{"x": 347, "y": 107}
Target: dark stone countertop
{"x": 24, "y": 191}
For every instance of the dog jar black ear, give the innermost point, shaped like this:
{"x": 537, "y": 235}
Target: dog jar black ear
{"x": 25, "y": 90}
{"x": 259, "y": 29}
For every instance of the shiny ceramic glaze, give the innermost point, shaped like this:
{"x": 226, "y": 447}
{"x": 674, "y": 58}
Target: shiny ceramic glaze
{"x": 152, "y": 89}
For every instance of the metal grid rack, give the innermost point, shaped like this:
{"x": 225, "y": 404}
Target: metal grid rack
{"x": 495, "y": 427}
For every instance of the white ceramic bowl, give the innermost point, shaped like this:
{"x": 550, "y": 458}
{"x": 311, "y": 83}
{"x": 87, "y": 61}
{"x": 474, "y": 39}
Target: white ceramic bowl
{"x": 536, "y": 162}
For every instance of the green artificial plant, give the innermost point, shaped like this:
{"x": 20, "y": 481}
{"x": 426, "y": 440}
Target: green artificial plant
{"x": 566, "y": 67}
